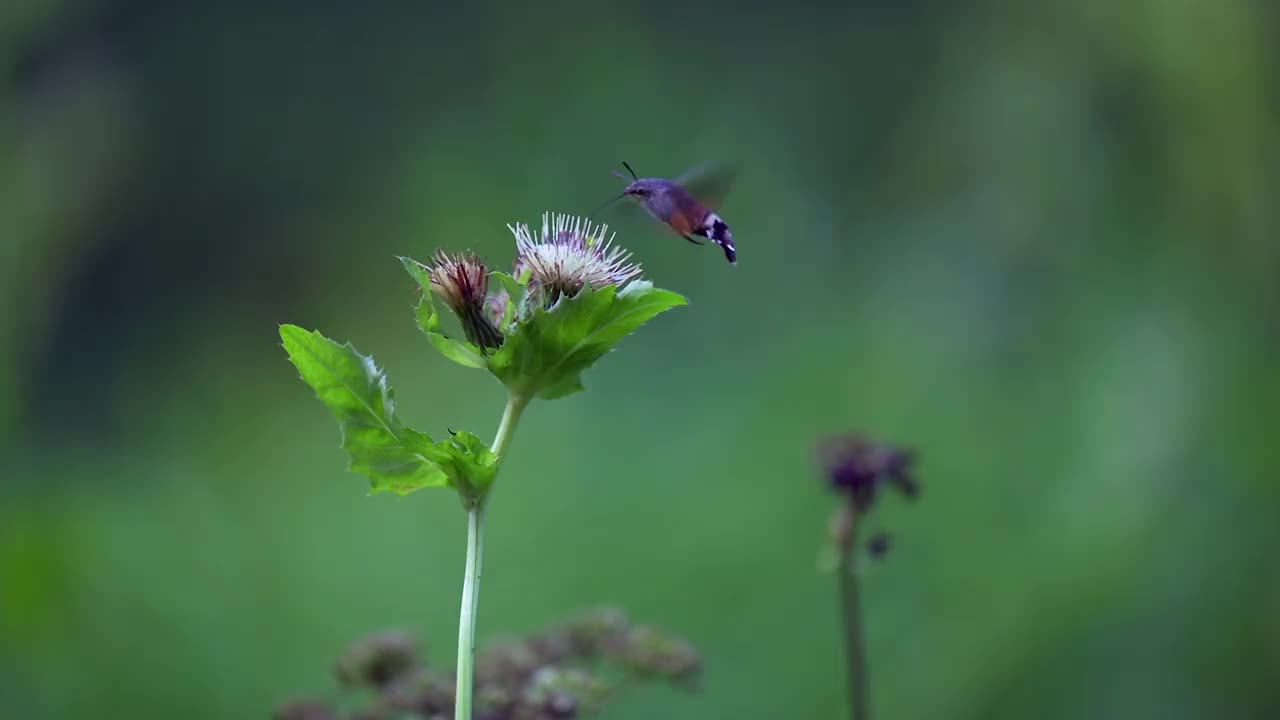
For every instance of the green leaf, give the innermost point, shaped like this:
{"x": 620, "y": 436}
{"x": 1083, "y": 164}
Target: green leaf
{"x": 462, "y": 352}
{"x": 516, "y": 292}
{"x": 568, "y": 386}
{"x": 355, "y": 390}
{"x": 548, "y": 350}
{"x": 468, "y": 462}
{"x": 514, "y": 287}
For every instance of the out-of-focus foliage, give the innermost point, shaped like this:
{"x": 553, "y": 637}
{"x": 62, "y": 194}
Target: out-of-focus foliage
{"x": 572, "y": 669}
{"x": 1035, "y": 240}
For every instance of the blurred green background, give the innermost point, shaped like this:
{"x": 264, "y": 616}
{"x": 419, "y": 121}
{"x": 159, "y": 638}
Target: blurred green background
{"x": 1038, "y": 241}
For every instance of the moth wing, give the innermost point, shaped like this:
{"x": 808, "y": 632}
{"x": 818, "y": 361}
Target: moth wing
{"x": 709, "y": 182}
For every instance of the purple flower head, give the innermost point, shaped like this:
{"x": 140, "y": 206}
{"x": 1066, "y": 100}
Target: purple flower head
{"x": 859, "y": 467}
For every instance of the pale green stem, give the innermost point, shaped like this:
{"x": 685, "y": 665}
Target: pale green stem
{"x": 471, "y": 577}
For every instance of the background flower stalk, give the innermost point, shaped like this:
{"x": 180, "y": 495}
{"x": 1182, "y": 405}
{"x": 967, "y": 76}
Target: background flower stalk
{"x": 857, "y": 470}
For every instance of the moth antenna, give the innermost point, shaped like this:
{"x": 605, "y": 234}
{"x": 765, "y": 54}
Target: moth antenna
{"x": 628, "y": 167}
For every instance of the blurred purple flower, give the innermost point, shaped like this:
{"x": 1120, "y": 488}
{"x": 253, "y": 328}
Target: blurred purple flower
{"x": 858, "y": 467}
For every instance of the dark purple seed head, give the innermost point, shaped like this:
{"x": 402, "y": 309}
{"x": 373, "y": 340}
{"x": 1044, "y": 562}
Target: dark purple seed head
{"x": 859, "y": 467}
{"x": 879, "y": 544}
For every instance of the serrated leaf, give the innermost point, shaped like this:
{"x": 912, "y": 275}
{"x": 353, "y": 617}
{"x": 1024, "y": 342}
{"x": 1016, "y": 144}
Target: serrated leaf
{"x": 459, "y": 351}
{"x": 356, "y": 391}
{"x": 468, "y": 462}
{"x": 464, "y": 353}
{"x": 634, "y": 288}
{"x": 569, "y": 386}
{"x": 418, "y": 272}
{"x": 549, "y": 349}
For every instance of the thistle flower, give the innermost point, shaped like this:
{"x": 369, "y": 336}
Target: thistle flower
{"x": 462, "y": 281}
{"x": 568, "y": 255}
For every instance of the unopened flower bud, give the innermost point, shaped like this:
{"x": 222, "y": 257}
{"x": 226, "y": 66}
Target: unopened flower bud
{"x": 462, "y": 281}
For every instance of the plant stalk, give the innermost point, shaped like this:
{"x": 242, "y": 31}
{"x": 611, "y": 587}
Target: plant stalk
{"x": 851, "y": 609}
{"x": 471, "y": 577}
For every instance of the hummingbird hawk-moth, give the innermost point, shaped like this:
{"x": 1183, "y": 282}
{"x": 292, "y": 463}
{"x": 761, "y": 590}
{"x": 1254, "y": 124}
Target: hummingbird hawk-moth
{"x": 680, "y": 204}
